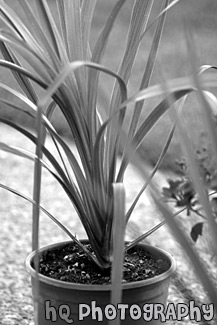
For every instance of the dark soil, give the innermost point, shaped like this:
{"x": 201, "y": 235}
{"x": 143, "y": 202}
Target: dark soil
{"x": 70, "y": 264}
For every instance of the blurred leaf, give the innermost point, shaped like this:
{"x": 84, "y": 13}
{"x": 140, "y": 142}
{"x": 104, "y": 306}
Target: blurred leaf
{"x": 183, "y": 85}
{"x": 196, "y": 231}
{"x": 207, "y": 118}
{"x": 118, "y": 233}
{"x": 206, "y": 278}
{"x": 182, "y": 191}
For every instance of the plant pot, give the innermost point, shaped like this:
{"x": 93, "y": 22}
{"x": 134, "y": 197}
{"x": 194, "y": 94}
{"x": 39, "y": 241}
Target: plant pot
{"x": 62, "y": 302}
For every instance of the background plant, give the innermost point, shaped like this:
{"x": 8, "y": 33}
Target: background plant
{"x": 196, "y": 189}
{"x": 182, "y": 192}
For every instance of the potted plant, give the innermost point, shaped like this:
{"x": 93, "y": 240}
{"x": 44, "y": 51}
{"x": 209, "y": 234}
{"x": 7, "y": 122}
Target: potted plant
{"x": 67, "y": 71}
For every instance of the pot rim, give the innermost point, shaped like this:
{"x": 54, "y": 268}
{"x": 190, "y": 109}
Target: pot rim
{"x": 100, "y": 287}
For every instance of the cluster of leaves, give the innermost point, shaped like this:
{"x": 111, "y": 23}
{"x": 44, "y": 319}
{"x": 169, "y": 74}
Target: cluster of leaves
{"x": 66, "y": 67}
{"x": 182, "y": 192}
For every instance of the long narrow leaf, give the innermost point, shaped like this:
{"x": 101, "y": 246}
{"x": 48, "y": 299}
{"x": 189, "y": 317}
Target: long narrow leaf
{"x": 118, "y": 246}
{"x": 146, "y": 127}
{"x": 36, "y": 61}
{"x": 149, "y": 68}
{"x": 173, "y": 3}
{"x": 17, "y": 151}
{"x": 36, "y": 206}
{"x": 139, "y": 20}
{"x": 59, "y": 224}
{"x": 52, "y": 30}
{"x": 64, "y": 13}
{"x": 15, "y": 24}
{"x": 40, "y": 35}
{"x": 87, "y": 12}
{"x": 77, "y": 172}
{"x": 17, "y": 94}
{"x": 91, "y": 214}
{"x": 74, "y": 29}
{"x": 74, "y": 66}
{"x": 74, "y": 196}
{"x": 97, "y": 56}
{"x": 47, "y": 153}
{"x": 150, "y": 232}
{"x": 19, "y": 30}
{"x": 23, "y": 82}
{"x": 18, "y": 108}
{"x": 47, "y": 22}
{"x": 74, "y": 119}
{"x": 21, "y": 71}
{"x": 156, "y": 167}
{"x": 32, "y": 157}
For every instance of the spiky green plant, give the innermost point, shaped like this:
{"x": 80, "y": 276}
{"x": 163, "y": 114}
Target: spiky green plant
{"x": 67, "y": 68}
{"x": 59, "y": 59}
